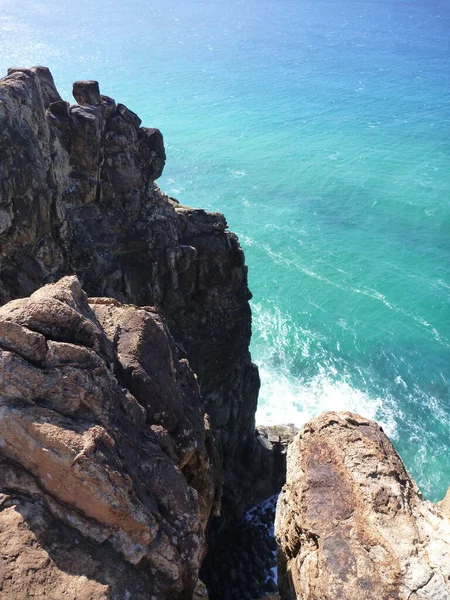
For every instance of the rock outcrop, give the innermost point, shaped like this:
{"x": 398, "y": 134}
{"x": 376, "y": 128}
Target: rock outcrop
{"x": 106, "y": 476}
{"x": 351, "y": 522}
{"x": 78, "y": 196}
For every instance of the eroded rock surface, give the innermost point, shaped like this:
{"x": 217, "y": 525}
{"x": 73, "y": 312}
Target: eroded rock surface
{"x": 351, "y": 522}
{"x": 78, "y": 196}
{"x": 100, "y": 421}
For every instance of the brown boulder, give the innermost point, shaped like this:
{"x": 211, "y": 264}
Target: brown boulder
{"x": 351, "y": 523}
{"x": 95, "y": 502}
{"x": 147, "y": 363}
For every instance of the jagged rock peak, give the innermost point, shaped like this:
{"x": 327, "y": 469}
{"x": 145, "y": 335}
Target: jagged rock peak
{"x": 87, "y": 93}
{"x": 351, "y": 522}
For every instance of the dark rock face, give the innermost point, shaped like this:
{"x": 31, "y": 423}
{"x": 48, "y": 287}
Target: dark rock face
{"x": 245, "y": 546}
{"x": 78, "y": 196}
{"x": 97, "y": 500}
{"x": 242, "y": 563}
{"x": 350, "y": 521}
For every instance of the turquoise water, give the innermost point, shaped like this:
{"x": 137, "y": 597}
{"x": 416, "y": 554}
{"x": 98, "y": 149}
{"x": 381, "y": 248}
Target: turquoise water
{"x": 322, "y": 130}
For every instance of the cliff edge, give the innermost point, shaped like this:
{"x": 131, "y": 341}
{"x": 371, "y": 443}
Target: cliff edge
{"x": 78, "y": 196}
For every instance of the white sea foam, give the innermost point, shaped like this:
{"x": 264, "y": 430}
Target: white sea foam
{"x": 289, "y": 398}
{"x": 286, "y": 400}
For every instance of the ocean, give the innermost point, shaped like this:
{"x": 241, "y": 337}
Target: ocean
{"x": 322, "y": 130}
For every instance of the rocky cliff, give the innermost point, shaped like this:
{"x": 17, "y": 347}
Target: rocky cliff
{"x": 128, "y": 396}
{"x": 351, "y": 523}
{"x": 78, "y": 196}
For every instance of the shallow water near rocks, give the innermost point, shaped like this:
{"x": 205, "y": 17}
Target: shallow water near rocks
{"x": 321, "y": 129}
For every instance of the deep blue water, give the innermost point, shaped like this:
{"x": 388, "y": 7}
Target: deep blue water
{"x": 322, "y": 130}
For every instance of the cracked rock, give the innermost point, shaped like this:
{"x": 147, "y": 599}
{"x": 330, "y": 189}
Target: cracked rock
{"x": 351, "y": 522}
{"x": 106, "y": 484}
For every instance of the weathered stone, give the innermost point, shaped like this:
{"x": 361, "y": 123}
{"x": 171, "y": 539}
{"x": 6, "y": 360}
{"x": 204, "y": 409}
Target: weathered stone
{"x": 129, "y": 116}
{"x": 351, "y": 522}
{"x": 151, "y": 147}
{"x": 96, "y": 499}
{"x": 148, "y": 365}
{"x": 28, "y": 344}
{"x": 48, "y": 90}
{"x": 87, "y": 93}
{"x": 60, "y": 108}
{"x": 200, "y": 592}
{"x": 264, "y": 442}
